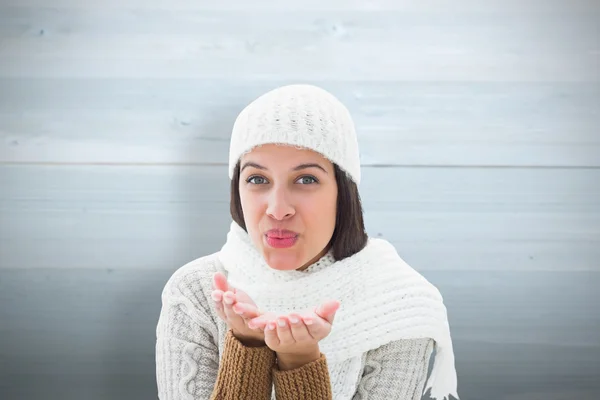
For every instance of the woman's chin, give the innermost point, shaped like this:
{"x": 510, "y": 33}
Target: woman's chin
{"x": 282, "y": 262}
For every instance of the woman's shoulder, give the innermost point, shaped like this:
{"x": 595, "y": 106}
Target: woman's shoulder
{"x": 415, "y": 349}
{"x": 193, "y": 278}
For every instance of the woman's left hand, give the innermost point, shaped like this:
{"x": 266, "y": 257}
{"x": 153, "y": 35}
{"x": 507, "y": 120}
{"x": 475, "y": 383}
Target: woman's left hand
{"x": 294, "y": 336}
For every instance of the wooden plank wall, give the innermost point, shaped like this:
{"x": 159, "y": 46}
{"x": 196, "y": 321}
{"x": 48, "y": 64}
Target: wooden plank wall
{"x": 478, "y": 126}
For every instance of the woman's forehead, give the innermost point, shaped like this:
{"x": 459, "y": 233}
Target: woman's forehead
{"x": 284, "y": 151}
{"x": 284, "y": 157}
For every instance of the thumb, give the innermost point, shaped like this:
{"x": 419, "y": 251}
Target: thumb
{"x": 327, "y": 310}
{"x": 220, "y": 282}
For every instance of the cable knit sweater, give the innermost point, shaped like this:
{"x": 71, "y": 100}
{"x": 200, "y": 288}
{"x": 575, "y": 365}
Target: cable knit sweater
{"x": 191, "y": 342}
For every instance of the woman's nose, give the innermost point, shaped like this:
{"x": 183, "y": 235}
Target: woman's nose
{"x": 279, "y": 206}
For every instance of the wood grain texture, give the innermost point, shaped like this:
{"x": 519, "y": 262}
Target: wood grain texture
{"x": 427, "y": 45}
{"x": 187, "y": 121}
{"x": 517, "y": 334}
{"x": 478, "y": 128}
{"x": 466, "y": 6}
{"x": 446, "y": 219}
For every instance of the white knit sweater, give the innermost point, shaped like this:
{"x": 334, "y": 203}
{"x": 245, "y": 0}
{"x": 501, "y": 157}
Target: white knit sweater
{"x": 190, "y": 342}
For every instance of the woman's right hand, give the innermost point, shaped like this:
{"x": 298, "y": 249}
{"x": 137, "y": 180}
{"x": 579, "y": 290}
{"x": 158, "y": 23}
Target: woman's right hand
{"x": 236, "y": 308}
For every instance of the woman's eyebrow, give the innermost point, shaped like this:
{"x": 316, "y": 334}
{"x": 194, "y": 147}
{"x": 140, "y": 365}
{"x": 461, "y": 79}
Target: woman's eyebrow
{"x": 297, "y": 168}
{"x": 252, "y": 164}
{"x": 310, "y": 165}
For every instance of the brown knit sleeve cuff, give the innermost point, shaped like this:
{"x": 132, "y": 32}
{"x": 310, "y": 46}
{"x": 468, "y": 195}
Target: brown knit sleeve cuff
{"x": 244, "y": 372}
{"x": 235, "y": 347}
{"x": 309, "y": 382}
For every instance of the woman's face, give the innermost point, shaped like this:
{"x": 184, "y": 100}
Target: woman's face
{"x": 289, "y": 200}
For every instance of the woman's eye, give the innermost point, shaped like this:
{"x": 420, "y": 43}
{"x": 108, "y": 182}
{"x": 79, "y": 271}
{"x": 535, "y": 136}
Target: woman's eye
{"x": 257, "y": 180}
{"x": 307, "y": 180}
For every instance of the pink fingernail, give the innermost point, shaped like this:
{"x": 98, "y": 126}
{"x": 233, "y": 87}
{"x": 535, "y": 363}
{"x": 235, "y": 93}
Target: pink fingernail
{"x": 308, "y": 321}
{"x": 271, "y": 326}
{"x": 216, "y": 296}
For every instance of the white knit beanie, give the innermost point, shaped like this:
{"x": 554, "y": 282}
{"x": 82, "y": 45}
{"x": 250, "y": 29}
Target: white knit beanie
{"x": 299, "y": 115}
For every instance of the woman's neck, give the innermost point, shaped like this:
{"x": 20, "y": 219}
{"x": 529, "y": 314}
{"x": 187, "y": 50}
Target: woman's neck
{"x": 314, "y": 259}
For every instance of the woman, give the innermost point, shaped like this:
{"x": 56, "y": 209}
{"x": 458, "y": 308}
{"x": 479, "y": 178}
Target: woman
{"x": 299, "y": 298}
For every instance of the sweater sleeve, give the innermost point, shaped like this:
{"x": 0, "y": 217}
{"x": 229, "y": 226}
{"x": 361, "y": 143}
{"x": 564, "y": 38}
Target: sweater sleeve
{"x": 187, "y": 355}
{"x": 244, "y": 372}
{"x": 397, "y": 370}
{"x": 309, "y": 382}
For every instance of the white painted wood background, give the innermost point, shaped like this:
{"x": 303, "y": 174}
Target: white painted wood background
{"x": 478, "y": 127}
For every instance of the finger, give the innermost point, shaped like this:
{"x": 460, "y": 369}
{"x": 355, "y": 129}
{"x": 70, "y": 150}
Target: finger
{"x": 261, "y": 321}
{"x": 327, "y": 310}
{"x": 228, "y": 302}
{"x": 246, "y": 311}
{"x": 241, "y": 295}
{"x": 257, "y": 323}
{"x": 317, "y": 326}
{"x": 220, "y": 282}
{"x": 299, "y": 329}
{"x": 217, "y": 297}
{"x": 271, "y": 338}
{"x": 284, "y": 332}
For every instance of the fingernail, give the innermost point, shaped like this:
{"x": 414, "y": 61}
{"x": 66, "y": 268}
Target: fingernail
{"x": 281, "y": 322}
{"x": 227, "y": 300}
{"x": 308, "y": 321}
{"x": 270, "y": 326}
{"x": 216, "y": 296}
{"x": 238, "y": 310}
{"x": 251, "y": 325}
{"x": 294, "y": 320}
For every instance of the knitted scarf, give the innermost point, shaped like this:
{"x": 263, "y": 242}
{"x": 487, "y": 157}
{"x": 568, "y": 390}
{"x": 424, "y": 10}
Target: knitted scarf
{"x": 382, "y": 299}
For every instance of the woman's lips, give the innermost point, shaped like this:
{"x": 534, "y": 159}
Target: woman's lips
{"x": 281, "y": 238}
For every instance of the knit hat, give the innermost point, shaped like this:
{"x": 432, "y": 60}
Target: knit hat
{"x": 299, "y": 115}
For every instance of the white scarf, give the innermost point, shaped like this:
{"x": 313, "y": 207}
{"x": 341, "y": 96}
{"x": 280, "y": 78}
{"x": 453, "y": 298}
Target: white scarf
{"x": 382, "y": 299}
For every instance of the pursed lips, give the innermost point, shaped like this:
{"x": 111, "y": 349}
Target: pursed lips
{"x": 281, "y": 238}
{"x": 281, "y": 234}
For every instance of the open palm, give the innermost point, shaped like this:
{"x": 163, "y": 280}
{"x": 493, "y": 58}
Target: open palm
{"x": 236, "y": 308}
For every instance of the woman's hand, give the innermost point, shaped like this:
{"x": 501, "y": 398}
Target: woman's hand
{"x": 296, "y": 337}
{"x": 236, "y": 308}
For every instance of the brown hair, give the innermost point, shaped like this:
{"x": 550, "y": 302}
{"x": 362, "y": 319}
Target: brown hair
{"x": 349, "y": 236}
